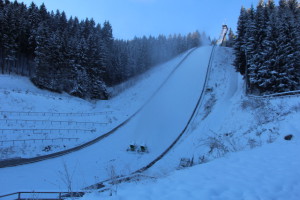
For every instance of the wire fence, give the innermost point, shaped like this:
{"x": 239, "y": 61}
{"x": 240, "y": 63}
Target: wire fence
{"x": 52, "y": 114}
{"x": 13, "y": 142}
{"x": 45, "y": 131}
{"x": 281, "y": 95}
{"x": 44, "y": 122}
{"x": 22, "y": 91}
{"x": 42, "y": 195}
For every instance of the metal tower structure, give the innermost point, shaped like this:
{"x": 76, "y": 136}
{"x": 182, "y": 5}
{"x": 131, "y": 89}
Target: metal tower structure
{"x": 222, "y": 37}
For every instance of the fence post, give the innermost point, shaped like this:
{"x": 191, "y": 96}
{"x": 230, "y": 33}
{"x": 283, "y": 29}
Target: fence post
{"x": 19, "y": 195}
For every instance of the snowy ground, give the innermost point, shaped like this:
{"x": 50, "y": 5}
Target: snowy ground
{"x": 270, "y": 172}
{"x": 163, "y": 119}
{"x": 236, "y": 144}
{"x": 37, "y": 122}
{"x": 245, "y": 134}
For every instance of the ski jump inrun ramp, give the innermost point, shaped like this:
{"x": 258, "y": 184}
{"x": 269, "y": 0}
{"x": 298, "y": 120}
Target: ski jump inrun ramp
{"x": 158, "y": 124}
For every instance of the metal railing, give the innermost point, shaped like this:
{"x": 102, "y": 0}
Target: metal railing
{"x": 281, "y": 94}
{"x": 42, "y": 195}
{"x": 42, "y": 131}
{"x": 52, "y": 122}
{"x": 13, "y": 142}
{"x": 52, "y": 114}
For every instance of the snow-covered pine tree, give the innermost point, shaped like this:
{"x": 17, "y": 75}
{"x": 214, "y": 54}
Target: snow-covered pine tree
{"x": 288, "y": 54}
{"x": 269, "y": 50}
{"x": 271, "y": 47}
{"x": 76, "y": 57}
{"x": 107, "y": 44}
{"x": 96, "y": 67}
{"x": 294, "y": 7}
{"x": 43, "y": 71}
{"x": 240, "y": 42}
{"x": 230, "y": 39}
{"x": 9, "y": 36}
{"x": 1, "y": 36}
{"x": 250, "y": 49}
{"x": 262, "y": 21}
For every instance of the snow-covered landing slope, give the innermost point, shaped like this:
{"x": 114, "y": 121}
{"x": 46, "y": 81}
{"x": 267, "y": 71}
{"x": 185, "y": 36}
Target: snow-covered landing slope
{"x": 228, "y": 122}
{"x": 169, "y": 110}
{"x": 18, "y": 94}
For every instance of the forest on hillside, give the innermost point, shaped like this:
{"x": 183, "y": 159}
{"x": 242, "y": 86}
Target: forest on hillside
{"x": 267, "y": 47}
{"x": 79, "y": 57}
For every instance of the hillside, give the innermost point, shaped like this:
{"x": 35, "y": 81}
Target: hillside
{"x": 23, "y": 106}
{"x": 112, "y": 150}
{"x": 235, "y": 142}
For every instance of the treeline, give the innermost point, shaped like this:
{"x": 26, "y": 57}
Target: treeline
{"x": 267, "y": 46}
{"x": 77, "y": 57}
{"x": 137, "y": 55}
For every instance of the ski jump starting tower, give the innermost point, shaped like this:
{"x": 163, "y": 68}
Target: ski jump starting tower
{"x": 222, "y": 38}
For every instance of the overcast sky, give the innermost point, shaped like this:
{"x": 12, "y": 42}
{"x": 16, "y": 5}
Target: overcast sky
{"x": 131, "y": 18}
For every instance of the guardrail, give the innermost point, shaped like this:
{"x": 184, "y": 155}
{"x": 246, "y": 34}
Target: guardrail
{"x": 53, "y": 122}
{"x": 42, "y": 195}
{"x": 52, "y": 114}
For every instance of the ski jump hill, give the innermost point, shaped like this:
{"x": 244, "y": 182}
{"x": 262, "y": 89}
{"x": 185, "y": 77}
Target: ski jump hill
{"x": 156, "y": 126}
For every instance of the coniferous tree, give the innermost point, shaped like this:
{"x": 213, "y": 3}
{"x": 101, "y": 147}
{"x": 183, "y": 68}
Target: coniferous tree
{"x": 240, "y": 42}
{"x": 80, "y": 58}
{"x": 231, "y": 38}
{"x": 272, "y": 47}
{"x": 269, "y": 50}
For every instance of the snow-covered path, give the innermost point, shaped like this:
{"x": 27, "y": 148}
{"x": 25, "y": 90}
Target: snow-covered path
{"x": 159, "y": 123}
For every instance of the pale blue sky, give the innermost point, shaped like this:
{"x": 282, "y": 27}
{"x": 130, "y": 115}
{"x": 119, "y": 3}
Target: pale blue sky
{"x": 131, "y": 18}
